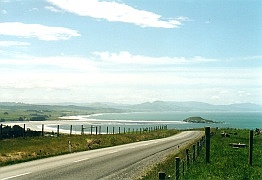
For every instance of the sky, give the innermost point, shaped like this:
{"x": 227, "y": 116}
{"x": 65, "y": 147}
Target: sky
{"x": 131, "y": 51}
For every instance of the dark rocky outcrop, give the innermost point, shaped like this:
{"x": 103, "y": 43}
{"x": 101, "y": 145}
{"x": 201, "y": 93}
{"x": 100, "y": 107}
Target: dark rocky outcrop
{"x": 198, "y": 120}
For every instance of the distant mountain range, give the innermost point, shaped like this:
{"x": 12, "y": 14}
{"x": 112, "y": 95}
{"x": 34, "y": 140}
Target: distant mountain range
{"x": 147, "y": 106}
{"x": 195, "y": 106}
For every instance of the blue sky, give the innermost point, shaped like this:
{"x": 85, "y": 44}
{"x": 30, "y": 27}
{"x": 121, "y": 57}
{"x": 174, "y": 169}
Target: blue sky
{"x": 130, "y": 51}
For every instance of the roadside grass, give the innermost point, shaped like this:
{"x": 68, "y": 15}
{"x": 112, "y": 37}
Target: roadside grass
{"x": 29, "y": 148}
{"x": 226, "y": 162}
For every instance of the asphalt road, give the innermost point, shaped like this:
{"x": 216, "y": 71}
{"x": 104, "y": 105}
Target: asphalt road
{"x": 118, "y": 162}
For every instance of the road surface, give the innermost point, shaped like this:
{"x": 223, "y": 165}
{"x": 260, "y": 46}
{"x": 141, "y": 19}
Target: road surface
{"x": 119, "y": 162}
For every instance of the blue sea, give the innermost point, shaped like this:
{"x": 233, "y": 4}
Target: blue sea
{"x": 134, "y": 121}
{"x": 174, "y": 119}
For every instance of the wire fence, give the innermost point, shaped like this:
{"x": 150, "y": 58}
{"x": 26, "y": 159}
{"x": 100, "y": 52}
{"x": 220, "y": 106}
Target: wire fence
{"x": 189, "y": 158}
{"x": 8, "y": 131}
{"x": 182, "y": 165}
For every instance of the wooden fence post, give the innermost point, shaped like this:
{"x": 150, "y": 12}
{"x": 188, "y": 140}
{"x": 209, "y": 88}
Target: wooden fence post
{"x": 43, "y": 129}
{"x": 82, "y": 129}
{"x": 187, "y": 157}
{"x": 24, "y": 131}
{"x": 1, "y": 131}
{"x": 96, "y": 130}
{"x": 113, "y": 130}
{"x": 202, "y": 143}
{"x": 183, "y": 168}
{"x": 57, "y": 130}
{"x": 207, "y": 133}
{"x": 69, "y": 146}
{"x": 194, "y": 153}
{"x": 119, "y": 130}
{"x": 71, "y": 128}
{"x": 198, "y": 148}
{"x": 106, "y": 129}
{"x": 161, "y": 175}
{"x": 251, "y": 133}
{"x": 177, "y": 167}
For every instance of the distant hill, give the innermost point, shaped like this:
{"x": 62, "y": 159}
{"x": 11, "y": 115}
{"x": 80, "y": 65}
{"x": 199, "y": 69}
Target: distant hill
{"x": 147, "y": 106}
{"x": 57, "y": 107}
{"x": 193, "y": 106}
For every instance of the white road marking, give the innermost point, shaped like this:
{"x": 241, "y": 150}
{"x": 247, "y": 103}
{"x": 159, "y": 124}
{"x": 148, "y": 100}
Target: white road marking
{"x": 112, "y": 152}
{"x": 11, "y": 177}
{"x": 80, "y": 160}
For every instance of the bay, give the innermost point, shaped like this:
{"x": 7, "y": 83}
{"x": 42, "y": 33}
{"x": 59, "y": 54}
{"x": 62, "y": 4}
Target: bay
{"x": 241, "y": 120}
{"x": 136, "y": 121}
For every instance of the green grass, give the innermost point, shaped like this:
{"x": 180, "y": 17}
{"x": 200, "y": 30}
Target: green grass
{"x": 25, "y": 115}
{"x": 30, "y": 148}
{"x": 23, "y": 112}
{"x": 225, "y": 161}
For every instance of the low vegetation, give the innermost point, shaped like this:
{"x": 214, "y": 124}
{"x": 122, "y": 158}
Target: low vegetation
{"x": 226, "y": 161}
{"x": 29, "y": 148}
{"x": 26, "y": 112}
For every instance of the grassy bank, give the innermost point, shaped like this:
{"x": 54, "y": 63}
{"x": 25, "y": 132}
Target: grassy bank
{"x": 226, "y": 162}
{"x": 29, "y": 148}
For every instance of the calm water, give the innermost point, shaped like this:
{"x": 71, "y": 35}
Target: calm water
{"x": 134, "y": 121}
{"x": 242, "y": 120}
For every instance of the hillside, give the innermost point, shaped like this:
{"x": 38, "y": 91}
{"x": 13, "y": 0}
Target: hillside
{"x": 193, "y": 106}
{"x": 22, "y": 111}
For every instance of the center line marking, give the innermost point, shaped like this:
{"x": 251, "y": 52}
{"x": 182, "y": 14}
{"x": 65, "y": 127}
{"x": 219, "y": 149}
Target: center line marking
{"x": 80, "y": 160}
{"x": 16, "y": 176}
{"x": 112, "y": 152}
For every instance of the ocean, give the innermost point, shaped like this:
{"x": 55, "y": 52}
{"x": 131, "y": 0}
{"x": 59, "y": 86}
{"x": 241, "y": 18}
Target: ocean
{"x": 134, "y": 121}
{"x": 174, "y": 119}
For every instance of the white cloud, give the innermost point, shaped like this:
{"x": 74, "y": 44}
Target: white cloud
{"x": 13, "y": 43}
{"x": 4, "y": 12}
{"x": 125, "y": 57}
{"x": 93, "y": 72}
{"x": 53, "y": 9}
{"x": 41, "y": 32}
{"x": 257, "y": 57}
{"x": 209, "y": 86}
{"x": 98, "y": 78}
{"x": 34, "y": 9}
{"x": 117, "y": 12}
{"x": 59, "y": 63}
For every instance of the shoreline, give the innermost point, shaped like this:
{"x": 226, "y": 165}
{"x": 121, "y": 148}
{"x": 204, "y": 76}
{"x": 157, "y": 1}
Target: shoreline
{"x": 139, "y": 120}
